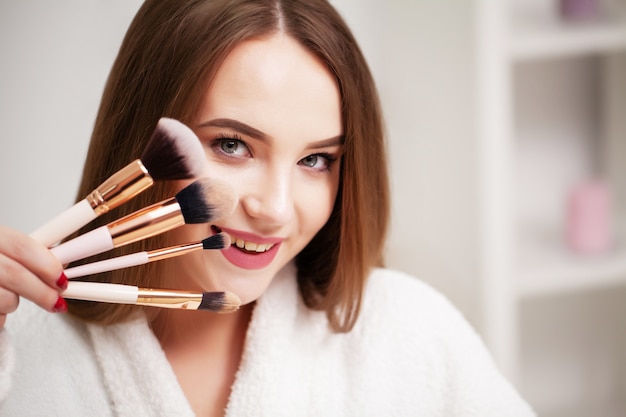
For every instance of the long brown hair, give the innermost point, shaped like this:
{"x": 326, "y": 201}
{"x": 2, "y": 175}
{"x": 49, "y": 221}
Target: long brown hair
{"x": 168, "y": 57}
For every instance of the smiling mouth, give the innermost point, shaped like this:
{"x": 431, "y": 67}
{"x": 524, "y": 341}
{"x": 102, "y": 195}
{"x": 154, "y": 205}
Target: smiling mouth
{"x": 245, "y": 245}
{"x": 251, "y": 247}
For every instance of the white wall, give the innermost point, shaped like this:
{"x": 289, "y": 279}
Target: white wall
{"x": 422, "y": 56}
{"x": 56, "y": 55}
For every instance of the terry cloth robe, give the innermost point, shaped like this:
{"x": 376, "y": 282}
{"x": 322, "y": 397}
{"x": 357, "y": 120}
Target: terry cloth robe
{"x": 410, "y": 354}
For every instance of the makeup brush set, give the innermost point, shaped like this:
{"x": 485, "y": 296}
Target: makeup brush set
{"x": 173, "y": 153}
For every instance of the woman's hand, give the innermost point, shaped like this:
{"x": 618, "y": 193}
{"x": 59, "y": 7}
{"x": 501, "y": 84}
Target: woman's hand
{"x": 30, "y": 270}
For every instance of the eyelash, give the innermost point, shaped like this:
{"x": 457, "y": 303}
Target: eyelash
{"x": 220, "y": 138}
{"x": 330, "y": 160}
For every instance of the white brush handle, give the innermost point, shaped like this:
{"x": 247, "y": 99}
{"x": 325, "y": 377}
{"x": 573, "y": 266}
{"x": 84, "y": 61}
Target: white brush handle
{"x": 119, "y": 262}
{"x": 103, "y": 292}
{"x": 91, "y": 243}
{"x": 65, "y": 223}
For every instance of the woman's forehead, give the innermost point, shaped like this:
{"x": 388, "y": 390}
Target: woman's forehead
{"x": 273, "y": 82}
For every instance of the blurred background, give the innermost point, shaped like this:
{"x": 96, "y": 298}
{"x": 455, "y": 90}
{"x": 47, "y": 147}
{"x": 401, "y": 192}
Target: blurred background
{"x": 507, "y": 139}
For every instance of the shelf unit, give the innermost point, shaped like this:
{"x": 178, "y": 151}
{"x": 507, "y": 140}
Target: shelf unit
{"x": 552, "y": 105}
{"x": 536, "y": 37}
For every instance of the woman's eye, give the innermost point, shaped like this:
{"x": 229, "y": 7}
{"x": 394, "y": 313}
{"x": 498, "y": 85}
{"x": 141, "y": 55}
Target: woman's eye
{"x": 310, "y": 161}
{"x": 318, "y": 162}
{"x": 231, "y": 147}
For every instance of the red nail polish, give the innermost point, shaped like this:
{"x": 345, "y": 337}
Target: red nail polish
{"x": 62, "y": 281}
{"x": 60, "y": 306}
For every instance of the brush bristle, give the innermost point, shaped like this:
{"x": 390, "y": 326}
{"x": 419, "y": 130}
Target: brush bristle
{"x": 218, "y": 241}
{"x": 219, "y": 302}
{"x": 174, "y": 152}
{"x": 204, "y": 201}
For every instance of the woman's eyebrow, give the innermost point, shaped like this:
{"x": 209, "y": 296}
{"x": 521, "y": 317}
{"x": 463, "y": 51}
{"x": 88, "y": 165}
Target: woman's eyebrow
{"x": 238, "y": 126}
{"x": 252, "y": 132}
{"x": 334, "y": 141}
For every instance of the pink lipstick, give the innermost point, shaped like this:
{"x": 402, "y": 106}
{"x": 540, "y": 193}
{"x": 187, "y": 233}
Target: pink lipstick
{"x": 250, "y": 258}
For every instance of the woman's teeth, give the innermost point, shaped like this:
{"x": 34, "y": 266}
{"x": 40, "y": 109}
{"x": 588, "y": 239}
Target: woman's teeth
{"x": 251, "y": 246}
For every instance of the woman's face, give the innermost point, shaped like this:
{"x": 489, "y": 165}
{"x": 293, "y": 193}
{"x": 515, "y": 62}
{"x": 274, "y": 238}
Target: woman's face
{"x": 272, "y": 129}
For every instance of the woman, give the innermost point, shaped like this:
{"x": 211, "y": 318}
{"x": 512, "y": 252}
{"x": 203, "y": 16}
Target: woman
{"x": 284, "y": 104}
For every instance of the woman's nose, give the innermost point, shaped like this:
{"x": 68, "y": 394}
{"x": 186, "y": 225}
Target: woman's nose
{"x": 270, "y": 198}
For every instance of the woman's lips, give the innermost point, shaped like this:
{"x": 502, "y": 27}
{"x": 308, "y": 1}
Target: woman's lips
{"x": 250, "y": 251}
{"x": 250, "y": 260}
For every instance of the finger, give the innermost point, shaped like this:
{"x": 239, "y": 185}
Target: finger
{"x": 3, "y": 319}
{"x": 8, "y": 301}
{"x": 33, "y": 256}
{"x": 15, "y": 278}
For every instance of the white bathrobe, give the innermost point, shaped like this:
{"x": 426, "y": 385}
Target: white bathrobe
{"x": 410, "y": 354}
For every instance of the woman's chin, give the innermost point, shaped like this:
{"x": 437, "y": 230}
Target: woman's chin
{"x": 247, "y": 292}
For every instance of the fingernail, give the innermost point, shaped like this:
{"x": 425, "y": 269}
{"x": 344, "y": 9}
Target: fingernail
{"x": 62, "y": 281}
{"x": 60, "y": 306}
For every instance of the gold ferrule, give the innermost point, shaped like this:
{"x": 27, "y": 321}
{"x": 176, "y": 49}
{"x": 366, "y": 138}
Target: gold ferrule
{"x": 120, "y": 187}
{"x": 172, "y": 251}
{"x": 169, "y": 299}
{"x": 147, "y": 222}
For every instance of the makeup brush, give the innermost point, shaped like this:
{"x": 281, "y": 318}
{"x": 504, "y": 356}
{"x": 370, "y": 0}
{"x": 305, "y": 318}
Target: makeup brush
{"x": 217, "y": 302}
{"x": 200, "y": 202}
{"x": 173, "y": 152}
{"x": 218, "y": 241}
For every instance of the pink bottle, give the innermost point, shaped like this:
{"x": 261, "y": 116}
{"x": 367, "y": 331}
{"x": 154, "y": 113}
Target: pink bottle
{"x": 589, "y": 219}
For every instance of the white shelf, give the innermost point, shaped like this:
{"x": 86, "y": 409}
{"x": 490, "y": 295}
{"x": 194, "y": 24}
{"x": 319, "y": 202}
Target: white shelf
{"x": 535, "y": 37}
{"x": 548, "y": 267}
{"x": 545, "y": 122}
